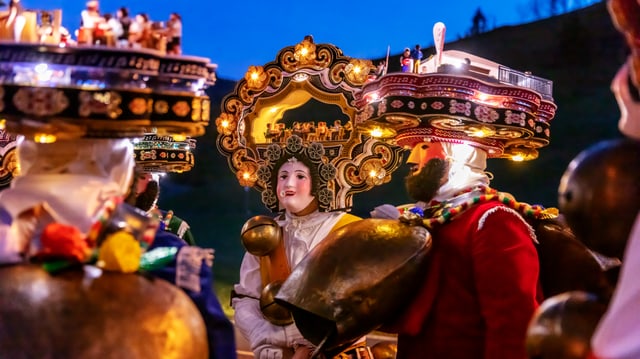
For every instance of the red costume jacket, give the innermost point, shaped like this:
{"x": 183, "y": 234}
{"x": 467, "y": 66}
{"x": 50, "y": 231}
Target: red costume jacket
{"x": 479, "y": 292}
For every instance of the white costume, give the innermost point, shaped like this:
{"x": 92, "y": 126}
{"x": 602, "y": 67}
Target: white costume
{"x": 618, "y": 333}
{"x": 71, "y": 180}
{"x": 269, "y": 341}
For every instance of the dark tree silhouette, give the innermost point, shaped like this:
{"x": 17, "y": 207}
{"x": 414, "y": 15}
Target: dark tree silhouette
{"x": 479, "y": 23}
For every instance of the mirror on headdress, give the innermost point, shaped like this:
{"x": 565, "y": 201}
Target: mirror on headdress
{"x": 308, "y": 91}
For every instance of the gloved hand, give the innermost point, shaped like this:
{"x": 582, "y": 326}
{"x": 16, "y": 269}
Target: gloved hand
{"x": 294, "y": 339}
{"x": 387, "y": 211}
{"x": 268, "y": 351}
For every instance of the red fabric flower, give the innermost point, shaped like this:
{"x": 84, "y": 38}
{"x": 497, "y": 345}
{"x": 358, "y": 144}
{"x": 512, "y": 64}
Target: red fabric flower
{"x": 64, "y": 241}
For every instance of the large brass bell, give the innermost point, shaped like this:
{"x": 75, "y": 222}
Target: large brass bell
{"x": 87, "y": 313}
{"x": 358, "y": 278}
{"x": 566, "y": 264}
{"x": 260, "y": 235}
{"x": 599, "y": 195}
{"x": 563, "y": 325}
{"x": 274, "y": 312}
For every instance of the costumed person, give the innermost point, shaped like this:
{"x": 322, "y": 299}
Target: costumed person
{"x": 416, "y": 55}
{"x": 616, "y": 335}
{"x": 406, "y": 62}
{"x": 90, "y": 18}
{"x": 155, "y": 156}
{"x": 480, "y": 285}
{"x": 174, "y": 29}
{"x": 145, "y": 194}
{"x": 122, "y": 15}
{"x": 69, "y": 183}
{"x": 297, "y": 177}
{"x": 12, "y": 22}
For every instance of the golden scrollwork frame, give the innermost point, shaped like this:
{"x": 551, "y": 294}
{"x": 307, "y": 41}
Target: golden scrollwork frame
{"x": 251, "y": 118}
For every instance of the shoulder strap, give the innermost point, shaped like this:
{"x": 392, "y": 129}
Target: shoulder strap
{"x": 345, "y": 219}
{"x": 277, "y": 263}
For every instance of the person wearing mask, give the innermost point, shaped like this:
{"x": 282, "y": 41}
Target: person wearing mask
{"x": 298, "y": 187}
{"x": 616, "y": 336}
{"x": 480, "y": 286}
{"x": 70, "y": 183}
{"x": 145, "y": 194}
{"x": 174, "y": 34}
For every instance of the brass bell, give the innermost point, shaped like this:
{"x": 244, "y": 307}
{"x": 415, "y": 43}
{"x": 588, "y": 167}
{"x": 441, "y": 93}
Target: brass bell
{"x": 260, "y": 235}
{"x": 599, "y": 195}
{"x": 357, "y": 279}
{"x": 272, "y": 311}
{"x": 83, "y": 313}
{"x": 385, "y": 350}
{"x": 563, "y": 325}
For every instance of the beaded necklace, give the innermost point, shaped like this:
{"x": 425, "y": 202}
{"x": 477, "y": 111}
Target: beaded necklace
{"x": 438, "y": 213}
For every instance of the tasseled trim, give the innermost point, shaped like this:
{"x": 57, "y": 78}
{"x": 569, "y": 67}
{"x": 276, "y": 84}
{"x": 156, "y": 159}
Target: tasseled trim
{"x": 532, "y": 233}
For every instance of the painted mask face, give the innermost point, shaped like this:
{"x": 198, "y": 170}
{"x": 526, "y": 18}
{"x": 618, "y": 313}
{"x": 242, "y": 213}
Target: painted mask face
{"x": 422, "y": 153}
{"x": 294, "y": 186}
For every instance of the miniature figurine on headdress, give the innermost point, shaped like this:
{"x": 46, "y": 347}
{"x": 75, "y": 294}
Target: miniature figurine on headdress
{"x": 406, "y": 61}
{"x": 13, "y": 22}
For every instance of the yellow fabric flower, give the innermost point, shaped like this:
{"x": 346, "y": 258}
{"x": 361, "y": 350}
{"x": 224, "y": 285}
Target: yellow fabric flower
{"x": 120, "y": 252}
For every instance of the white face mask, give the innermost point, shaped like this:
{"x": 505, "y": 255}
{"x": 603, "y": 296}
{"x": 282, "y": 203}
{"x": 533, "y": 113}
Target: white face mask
{"x": 294, "y": 186}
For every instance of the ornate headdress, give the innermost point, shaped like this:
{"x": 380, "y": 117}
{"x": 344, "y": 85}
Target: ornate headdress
{"x": 323, "y": 172}
{"x": 461, "y": 98}
{"x": 57, "y": 91}
{"x": 163, "y": 154}
{"x": 252, "y": 126}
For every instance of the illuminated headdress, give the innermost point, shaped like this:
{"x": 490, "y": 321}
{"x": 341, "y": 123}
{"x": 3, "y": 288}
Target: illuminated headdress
{"x": 253, "y": 123}
{"x": 313, "y": 156}
{"x": 57, "y": 91}
{"x": 461, "y": 98}
{"x": 163, "y": 154}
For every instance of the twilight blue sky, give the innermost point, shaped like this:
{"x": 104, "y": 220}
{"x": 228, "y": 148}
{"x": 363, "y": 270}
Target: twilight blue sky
{"x": 236, "y": 34}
